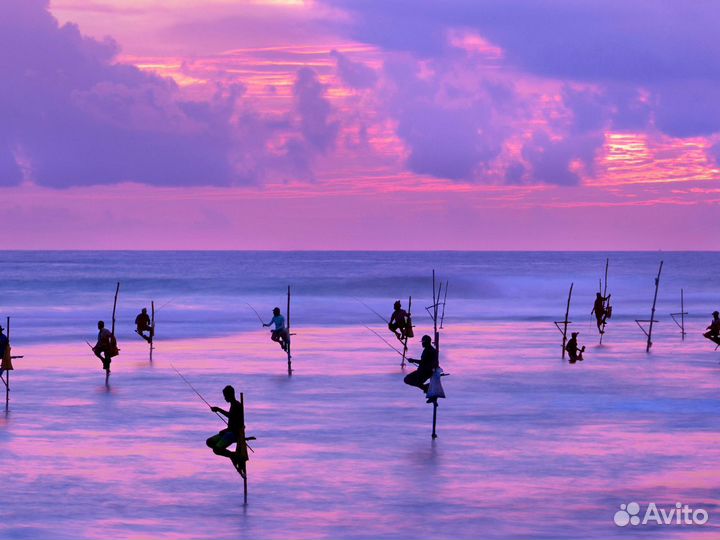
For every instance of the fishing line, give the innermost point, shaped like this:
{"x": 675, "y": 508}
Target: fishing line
{"x": 256, "y": 314}
{"x": 371, "y": 309}
{"x": 386, "y": 341}
{"x": 198, "y": 393}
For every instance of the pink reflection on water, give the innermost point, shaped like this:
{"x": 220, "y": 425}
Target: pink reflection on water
{"x": 529, "y": 446}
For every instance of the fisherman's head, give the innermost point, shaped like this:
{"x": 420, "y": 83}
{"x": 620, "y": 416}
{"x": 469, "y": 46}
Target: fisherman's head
{"x": 144, "y": 311}
{"x": 716, "y": 314}
{"x": 397, "y": 304}
{"x": 598, "y": 295}
{"x": 1, "y": 329}
{"x": 101, "y": 325}
{"x": 229, "y": 393}
{"x": 276, "y": 311}
{"x": 426, "y": 341}
{"x": 575, "y": 334}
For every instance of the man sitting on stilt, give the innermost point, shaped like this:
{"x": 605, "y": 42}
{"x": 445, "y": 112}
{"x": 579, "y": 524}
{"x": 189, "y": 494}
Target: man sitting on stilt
{"x": 398, "y": 321}
{"x": 235, "y": 428}
{"x": 601, "y": 313}
{"x": 106, "y": 346}
{"x": 426, "y": 366}
{"x": 280, "y": 333}
{"x": 143, "y": 324}
{"x": 713, "y": 331}
{"x": 574, "y": 352}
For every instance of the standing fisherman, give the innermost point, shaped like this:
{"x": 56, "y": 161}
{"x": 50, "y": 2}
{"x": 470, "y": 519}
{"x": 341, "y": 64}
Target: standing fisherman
{"x": 280, "y": 333}
{"x": 398, "y": 321}
{"x": 106, "y": 346}
{"x": 427, "y": 365}
{"x": 574, "y": 353}
{"x": 713, "y": 331}
{"x": 601, "y": 314}
{"x": 234, "y": 430}
{"x": 143, "y": 324}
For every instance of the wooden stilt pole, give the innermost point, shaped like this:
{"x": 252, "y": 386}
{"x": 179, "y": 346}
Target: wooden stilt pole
{"x": 244, "y": 476}
{"x": 289, "y": 356}
{"x": 442, "y": 317}
{"x": 117, "y": 291}
{"x": 652, "y": 312}
{"x": 652, "y": 320}
{"x": 436, "y": 300}
{"x": 112, "y": 331}
{"x": 565, "y": 322}
{"x": 152, "y": 327}
{"x": 607, "y": 306}
{"x": 405, "y": 341}
{"x": 682, "y": 314}
{"x": 7, "y": 372}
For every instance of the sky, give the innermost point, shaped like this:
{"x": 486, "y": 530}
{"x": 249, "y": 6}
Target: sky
{"x": 347, "y": 124}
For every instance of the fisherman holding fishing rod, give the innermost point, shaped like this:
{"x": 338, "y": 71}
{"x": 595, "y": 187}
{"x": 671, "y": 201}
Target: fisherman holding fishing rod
{"x": 713, "y": 330}
{"x": 279, "y": 333}
{"x": 575, "y": 352}
{"x": 106, "y": 346}
{"x": 398, "y": 322}
{"x": 427, "y": 365}
{"x": 601, "y": 313}
{"x": 235, "y": 427}
{"x": 143, "y": 324}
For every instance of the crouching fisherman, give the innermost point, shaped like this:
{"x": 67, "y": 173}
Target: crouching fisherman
{"x": 713, "y": 331}
{"x": 233, "y": 433}
{"x": 279, "y": 333}
{"x": 602, "y": 311}
{"x": 398, "y": 323}
{"x": 574, "y": 352}
{"x": 144, "y": 324}
{"x": 106, "y": 347}
{"x": 427, "y": 365}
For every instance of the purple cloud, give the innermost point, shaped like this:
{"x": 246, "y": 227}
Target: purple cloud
{"x": 314, "y": 110}
{"x": 354, "y": 74}
{"x": 656, "y": 65}
{"x": 73, "y": 115}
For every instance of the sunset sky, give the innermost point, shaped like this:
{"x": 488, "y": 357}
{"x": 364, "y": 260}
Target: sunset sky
{"x": 350, "y": 124}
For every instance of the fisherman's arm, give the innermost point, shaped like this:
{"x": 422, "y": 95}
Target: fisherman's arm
{"x": 221, "y": 411}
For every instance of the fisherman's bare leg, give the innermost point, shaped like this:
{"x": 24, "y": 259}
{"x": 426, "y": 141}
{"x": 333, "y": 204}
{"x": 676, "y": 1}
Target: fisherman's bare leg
{"x": 417, "y": 379}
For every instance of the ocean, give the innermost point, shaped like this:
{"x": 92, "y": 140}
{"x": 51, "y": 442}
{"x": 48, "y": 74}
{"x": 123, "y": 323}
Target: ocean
{"x": 529, "y": 445}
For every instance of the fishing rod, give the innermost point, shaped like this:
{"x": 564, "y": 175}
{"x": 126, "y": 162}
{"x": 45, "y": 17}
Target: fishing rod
{"x": 256, "y": 314}
{"x": 166, "y": 303}
{"x": 386, "y": 341}
{"x": 371, "y": 309}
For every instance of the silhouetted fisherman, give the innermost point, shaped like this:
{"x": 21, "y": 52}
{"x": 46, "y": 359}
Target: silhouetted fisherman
{"x": 235, "y": 428}
{"x": 106, "y": 347}
{"x": 601, "y": 313}
{"x": 398, "y": 321}
{"x": 713, "y": 331}
{"x": 426, "y": 366}
{"x": 279, "y": 333}
{"x": 574, "y": 353}
{"x": 4, "y": 343}
{"x": 143, "y": 324}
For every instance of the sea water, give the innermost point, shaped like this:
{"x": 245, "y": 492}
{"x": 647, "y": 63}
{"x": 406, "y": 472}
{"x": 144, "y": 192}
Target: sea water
{"x": 529, "y": 446}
